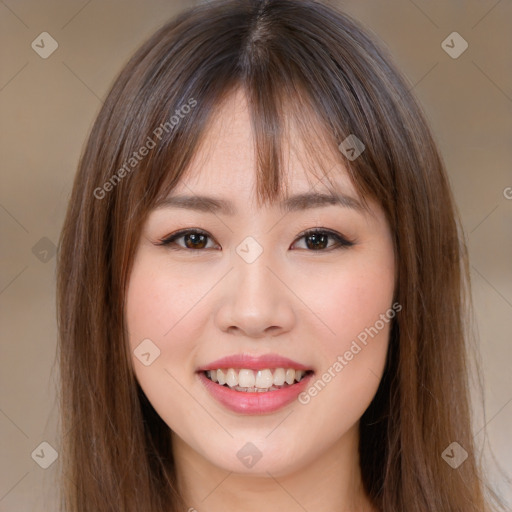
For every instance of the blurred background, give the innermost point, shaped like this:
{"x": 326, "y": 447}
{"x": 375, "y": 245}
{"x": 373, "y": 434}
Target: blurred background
{"x": 58, "y": 59}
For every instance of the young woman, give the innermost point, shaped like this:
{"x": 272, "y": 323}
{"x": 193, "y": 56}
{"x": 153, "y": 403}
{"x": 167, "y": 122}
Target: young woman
{"x": 262, "y": 282}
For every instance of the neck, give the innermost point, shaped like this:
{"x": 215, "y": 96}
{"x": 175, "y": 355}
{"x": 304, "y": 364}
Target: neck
{"x": 330, "y": 482}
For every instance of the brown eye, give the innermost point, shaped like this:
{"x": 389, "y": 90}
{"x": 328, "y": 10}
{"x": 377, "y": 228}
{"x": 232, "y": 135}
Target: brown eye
{"x": 315, "y": 240}
{"x": 318, "y": 240}
{"x": 193, "y": 239}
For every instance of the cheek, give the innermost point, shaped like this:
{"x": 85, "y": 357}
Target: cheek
{"x": 165, "y": 312}
{"x": 357, "y": 312}
{"x": 350, "y": 298}
{"x": 163, "y": 305}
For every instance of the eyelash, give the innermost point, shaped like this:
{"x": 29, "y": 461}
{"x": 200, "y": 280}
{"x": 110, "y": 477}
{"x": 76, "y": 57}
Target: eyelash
{"x": 341, "y": 242}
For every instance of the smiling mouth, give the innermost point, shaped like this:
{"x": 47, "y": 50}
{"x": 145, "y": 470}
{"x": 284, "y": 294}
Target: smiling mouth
{"x": 256, "y": 381}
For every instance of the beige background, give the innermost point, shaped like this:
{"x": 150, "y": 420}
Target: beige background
{"x": 48, "y": 105}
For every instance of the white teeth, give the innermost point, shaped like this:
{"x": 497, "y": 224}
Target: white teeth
{"x": 255, "y": 381}
{"x": 264, "y": 379}
{"x": 279, "y": 377}
{"x": 231, "y": 378}
{"x": 246, "y": 379}
{"x": 290, "y": 376}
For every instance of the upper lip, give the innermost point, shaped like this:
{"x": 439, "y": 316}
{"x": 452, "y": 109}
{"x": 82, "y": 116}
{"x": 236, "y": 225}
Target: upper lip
{"x": 252, "y": 362}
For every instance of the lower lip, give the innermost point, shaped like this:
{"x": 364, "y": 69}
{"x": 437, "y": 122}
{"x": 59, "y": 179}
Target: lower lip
{"x": 254, "y": 403}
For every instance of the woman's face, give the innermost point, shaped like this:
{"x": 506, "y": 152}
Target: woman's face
{"x": 250, "y": 286}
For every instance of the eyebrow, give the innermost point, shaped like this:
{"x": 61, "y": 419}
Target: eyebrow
{"x": 297, "y": 202}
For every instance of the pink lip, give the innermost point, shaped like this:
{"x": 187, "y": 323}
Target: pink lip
{"x": 254, "y": 403}
{"x": 254, "y": 362}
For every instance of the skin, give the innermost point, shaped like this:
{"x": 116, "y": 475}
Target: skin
{"x": 197, "y": 305}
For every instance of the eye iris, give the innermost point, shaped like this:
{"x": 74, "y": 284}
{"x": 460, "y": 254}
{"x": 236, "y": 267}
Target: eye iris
{"x": 314, "y": 241}
{"x": 195, "y": 238}
{"x": 319, "y": 241}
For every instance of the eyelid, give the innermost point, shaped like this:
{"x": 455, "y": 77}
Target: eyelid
{"x": 167, "y": 240}
{"x": 342, "y": 242}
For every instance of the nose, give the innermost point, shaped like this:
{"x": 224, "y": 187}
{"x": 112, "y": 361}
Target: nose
{"x": 255, "y": 300}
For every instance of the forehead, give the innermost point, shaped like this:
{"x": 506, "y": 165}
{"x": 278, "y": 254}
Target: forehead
{"x": 225, "y": 161}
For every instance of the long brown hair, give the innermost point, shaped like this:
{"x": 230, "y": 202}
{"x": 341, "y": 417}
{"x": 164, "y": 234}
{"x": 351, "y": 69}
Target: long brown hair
{"x": 297, "y": 61}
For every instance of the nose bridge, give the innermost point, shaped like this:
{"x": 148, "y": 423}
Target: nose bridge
{"x": 254, "y": 301}
{"x": 252, "y": 264}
